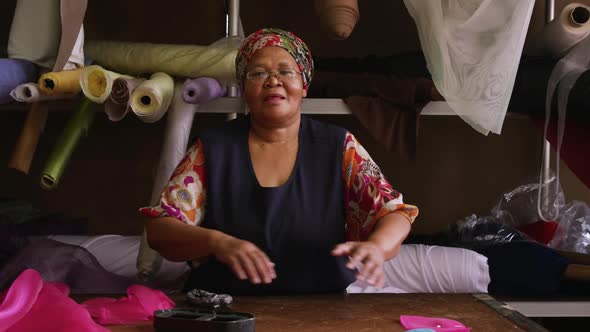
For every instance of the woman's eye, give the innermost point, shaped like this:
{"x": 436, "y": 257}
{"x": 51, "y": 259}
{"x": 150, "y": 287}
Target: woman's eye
{"x": 288, "y": 73}
{"x": 258, "y": 74}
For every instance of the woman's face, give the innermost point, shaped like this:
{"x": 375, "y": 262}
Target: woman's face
{"x": 278, "y": 97}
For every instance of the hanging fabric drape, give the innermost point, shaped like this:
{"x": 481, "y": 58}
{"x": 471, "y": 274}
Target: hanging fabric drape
{"x": 473, "y": 48}
{"x": 563, "y": 77}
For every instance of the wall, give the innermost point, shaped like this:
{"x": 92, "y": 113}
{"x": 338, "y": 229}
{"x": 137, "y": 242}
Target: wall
{"x": 457, "y": 171}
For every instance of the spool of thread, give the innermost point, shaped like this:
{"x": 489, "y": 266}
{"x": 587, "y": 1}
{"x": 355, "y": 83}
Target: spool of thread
{"x": 570, "y": 27}
{"x": 60, "y": 82}
{"x": 338, "y": 17}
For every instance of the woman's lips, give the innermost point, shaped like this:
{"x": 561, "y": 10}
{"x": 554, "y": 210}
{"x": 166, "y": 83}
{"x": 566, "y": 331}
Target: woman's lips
{"x": 274, "y": 99}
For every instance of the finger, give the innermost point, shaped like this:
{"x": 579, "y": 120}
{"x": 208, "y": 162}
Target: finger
{"x": 357, "y": 256}
{"x": 343, "y": 248}
{"x": 380, "y": 280}
{"x": 250, "y": 269}
{"x": 371, "y": 271}
{"x": 235, "y": 265}
{"x": 261, "y": 264}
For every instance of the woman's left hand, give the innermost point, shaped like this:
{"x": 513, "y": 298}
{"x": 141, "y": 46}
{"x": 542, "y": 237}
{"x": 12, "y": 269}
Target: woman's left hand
{"x": 366, "y": 253}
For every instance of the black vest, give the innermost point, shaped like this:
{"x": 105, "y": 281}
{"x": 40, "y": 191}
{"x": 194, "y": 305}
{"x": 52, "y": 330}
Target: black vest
{"x": 296, "y": 224}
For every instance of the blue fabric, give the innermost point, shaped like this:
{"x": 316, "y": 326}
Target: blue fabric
{"x": 296, "y": 224}
{"x": 14, "y": 72}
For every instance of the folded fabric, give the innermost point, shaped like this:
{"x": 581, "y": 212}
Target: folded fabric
{"x": 436, "y": 324}
{"x": 31, "y": 304}
{"x": 431, "y": 269}
{"x": 388, "y": 106}
{"x": 139, "y": 305}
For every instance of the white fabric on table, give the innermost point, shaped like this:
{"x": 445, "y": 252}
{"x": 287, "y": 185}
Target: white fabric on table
{"x": 431, "y": 269}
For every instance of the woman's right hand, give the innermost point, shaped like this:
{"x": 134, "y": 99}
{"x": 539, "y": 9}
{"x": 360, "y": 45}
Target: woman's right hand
{"x": 245, "y": 259}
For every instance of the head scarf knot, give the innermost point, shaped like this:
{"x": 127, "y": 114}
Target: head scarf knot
{"x": 275, "y": 37}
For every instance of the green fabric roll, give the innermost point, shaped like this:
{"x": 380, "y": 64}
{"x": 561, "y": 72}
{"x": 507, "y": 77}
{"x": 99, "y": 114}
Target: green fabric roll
{"x": 77, "y": 126}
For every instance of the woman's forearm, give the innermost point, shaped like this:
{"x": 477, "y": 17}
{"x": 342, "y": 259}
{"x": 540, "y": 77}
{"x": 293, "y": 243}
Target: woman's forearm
{"x": 389, "y": 233}
{"x": 177, "y": 241}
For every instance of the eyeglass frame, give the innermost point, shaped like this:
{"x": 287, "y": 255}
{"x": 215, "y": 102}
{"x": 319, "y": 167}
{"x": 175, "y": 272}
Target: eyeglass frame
{"x": 271, "y": 73}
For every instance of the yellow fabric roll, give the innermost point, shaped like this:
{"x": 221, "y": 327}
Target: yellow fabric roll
{"x": 60, "y": 82}
{"x": 216, "y": 60}
{"x": 97, "y": 83}
{"x": 150, "y": 100}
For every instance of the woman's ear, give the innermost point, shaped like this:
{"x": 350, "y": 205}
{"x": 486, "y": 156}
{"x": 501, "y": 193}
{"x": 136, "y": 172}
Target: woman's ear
{"x": 304, "y": 93}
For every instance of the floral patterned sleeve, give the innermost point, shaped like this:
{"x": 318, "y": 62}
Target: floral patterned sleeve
{"x": 368, "y": 196}
{"x": 184, "y": 196}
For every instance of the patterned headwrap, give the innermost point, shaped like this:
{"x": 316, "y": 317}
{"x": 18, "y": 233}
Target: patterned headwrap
{"x": 275, "y": 37}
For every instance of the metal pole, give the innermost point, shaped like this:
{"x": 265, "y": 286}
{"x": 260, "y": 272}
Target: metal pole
{"x": 232, "y": 31}
{"x": 549, "y": 16}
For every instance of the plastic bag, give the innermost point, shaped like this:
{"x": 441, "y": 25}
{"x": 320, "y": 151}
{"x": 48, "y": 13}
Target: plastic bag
{"x": 475, "y": 231}
{"x": 519, "y": 206}
{"x": 573, "y": 232}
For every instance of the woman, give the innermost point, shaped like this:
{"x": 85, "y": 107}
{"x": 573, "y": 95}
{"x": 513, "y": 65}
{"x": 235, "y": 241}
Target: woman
{"x": 275, "y": 194}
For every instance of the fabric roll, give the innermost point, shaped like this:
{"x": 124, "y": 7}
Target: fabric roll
{"x": 14, "y": 72}
{"x": 30, "y": 93}
{"x": 77, "y": 126}
{"x": 118, "y": 103}
{"x": 151, "y": 98}
{"x": 338, "y": 17}
{"x": 97, "y": 83}
{"x": 35, "y": 32}
{"x": 201, "y": 90}
{"x": 431, "y": 269}
{"x": 178, "y": 128}
{"x": 26, "y": 144}
{"x": 216, "y": 60}
{"x": 473, "y": 52}
{"x": 70, "y": 54}
{"x": 60, "y": 82}
{"x": 567, "y": 29}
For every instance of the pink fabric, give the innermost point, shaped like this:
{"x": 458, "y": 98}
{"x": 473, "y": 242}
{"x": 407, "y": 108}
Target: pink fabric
{"x": 139, "y": 305}
{"x": 32, "y": 304}
{"x": 437, "y": 324}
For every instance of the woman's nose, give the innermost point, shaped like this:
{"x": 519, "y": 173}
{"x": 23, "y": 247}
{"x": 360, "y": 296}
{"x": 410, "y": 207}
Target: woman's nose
{"x": 272, "y": 80}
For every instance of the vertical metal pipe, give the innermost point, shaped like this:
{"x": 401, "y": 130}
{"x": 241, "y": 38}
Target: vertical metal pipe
{"x": 233, "y": 30}
{"x": 549, "y": 10}
{"x": 549, "y": 16}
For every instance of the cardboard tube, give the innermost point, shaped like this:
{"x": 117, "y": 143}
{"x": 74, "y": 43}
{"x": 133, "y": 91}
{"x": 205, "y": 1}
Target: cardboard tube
{"x": 77, "y": 126}
{"x": 25, "y": 147}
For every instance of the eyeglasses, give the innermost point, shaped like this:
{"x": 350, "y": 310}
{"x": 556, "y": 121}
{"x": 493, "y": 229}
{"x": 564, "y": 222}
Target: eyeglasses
{"x": 283, "y": 75}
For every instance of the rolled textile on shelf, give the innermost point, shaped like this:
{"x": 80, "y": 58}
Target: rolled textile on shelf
{"x": 118, "y": 103}
{"x": 201, "y": 90}
{"x": 178, "y": 127}
{"x": 60, "y": 82}
{"x": 77, "y": 126}
{"x": 97, "y": 82}
{"x": 70, "y": 54}
{"x": 338, "y": 17}
{"x": 216, "y": 60}
{"x": 151, "y": 98}
{"x": 35, "y": 32}
{"x": 566, "y": 30}
{"x": 26, "y": 144}
{"x": 30, "y": 93}
{"x": 14, "y": 72}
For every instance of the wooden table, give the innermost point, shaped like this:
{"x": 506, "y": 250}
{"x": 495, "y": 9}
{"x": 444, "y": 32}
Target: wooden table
{"x": 368, "y": 312}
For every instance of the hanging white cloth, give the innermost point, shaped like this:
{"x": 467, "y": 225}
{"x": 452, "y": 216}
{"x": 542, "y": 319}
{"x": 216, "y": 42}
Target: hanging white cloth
{"x": 473, "y": 48}
{"x": 563, "y": 78}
